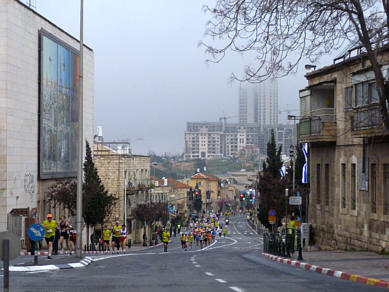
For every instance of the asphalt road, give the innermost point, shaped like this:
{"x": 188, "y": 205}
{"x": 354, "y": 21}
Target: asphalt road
{"x": 230, "y": 264}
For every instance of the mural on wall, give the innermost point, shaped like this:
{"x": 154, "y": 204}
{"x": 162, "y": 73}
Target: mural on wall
{"x": 59, "y": 103}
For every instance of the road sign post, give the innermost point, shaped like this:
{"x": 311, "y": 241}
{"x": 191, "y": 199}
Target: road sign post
{"x": 9, "y": 249}
{"x": 5, "y": 258}
{"x": 35, "y": 233}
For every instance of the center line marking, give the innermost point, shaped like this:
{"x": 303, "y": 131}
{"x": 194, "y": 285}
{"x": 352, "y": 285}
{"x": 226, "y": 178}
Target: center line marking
{"x": 195, "y": 263}
{"x": 237, "y": 289}
{"x": 221, "y": 281}
{"x": 209, "y": 274}
{"x": 197, "y": 266}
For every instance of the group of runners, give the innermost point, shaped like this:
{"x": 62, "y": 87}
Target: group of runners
{"x": 202, "y": 230}
{"x": 117, "y": 236}
{"x": 62, "y": 232}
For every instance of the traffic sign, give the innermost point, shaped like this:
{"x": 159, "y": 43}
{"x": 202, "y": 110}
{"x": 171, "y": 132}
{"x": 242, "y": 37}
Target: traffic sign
{"x": 36, "y": 232}
{"x": 272, "y": 212}
{"x": 272, "y": 216}
{"x": 295, "y": 200}
{"x": 14, "y": 244}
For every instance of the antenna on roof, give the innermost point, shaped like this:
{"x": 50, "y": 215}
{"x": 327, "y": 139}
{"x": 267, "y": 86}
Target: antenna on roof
{"x": 31, "y": 4}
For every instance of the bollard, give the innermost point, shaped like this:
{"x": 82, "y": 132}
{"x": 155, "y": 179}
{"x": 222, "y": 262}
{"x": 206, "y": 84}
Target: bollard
{"x": 6, "y": 264}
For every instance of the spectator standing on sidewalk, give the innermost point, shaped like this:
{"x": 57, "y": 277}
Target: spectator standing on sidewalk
{"x": 50, "y": 225}
{"x": 56, "y": 240}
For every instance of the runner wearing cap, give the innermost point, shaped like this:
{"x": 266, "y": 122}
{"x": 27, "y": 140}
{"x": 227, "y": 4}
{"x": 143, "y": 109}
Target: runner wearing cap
{"x": 116, "y": 232}
{"x": 50, "y": 225}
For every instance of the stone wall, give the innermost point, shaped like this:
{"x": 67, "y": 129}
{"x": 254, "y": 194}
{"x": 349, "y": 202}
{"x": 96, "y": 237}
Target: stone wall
{"x": 111, "y": 167}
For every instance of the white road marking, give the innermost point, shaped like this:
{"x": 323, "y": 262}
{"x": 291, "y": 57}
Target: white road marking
{"x": 195, "y": 263}
{"x": 35, "y": 272}
{"x": 237, "y": 289}
{"x": 209, "y": 274}
{"x": 221, "y": 281}
{"x": 197, "y": 266}
{"x": 234, "y": 242}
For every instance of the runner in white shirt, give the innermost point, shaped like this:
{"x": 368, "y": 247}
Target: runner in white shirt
{"x": 123, "y": 237}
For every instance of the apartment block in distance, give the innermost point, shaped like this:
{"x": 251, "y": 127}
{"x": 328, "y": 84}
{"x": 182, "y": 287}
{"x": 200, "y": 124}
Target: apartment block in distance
{"x": 207, "y": 140}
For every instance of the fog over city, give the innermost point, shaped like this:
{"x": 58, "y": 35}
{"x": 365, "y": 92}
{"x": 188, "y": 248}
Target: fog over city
{"x": 151, "y": 77}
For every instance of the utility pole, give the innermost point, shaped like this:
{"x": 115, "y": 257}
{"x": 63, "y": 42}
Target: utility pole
{"x": 125, "y": 197}
{"x": 80, "y": 140}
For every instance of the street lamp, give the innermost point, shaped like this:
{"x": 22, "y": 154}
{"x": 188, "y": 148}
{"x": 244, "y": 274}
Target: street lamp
{"x": 125, "y": 196}
{"x": 80, "y": 139}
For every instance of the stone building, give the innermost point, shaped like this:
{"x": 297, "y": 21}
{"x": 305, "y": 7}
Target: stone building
{"x": 206, "y": 183}
{"x": 173, "y": 192}
{"x": 348, "y": 154}
{"x": 38, "y": 107}
{"x": 124, "y": 173}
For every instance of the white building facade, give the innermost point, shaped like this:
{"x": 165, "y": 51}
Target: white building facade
{"x": 23, "y": 36}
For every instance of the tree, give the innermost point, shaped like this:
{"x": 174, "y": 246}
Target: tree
{"x": 272, "y": 196}
{"x": 282, "y": 33}
{"x": 63, "y": 194}
{"x": 97, "y": 203}
{"x": 273, "y": 162}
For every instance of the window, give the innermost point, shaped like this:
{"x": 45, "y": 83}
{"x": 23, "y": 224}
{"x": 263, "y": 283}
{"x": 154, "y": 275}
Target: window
{"x": 365, "y": 93}
{"x": 327, "y": 183}
{"x": 361, "y": 94}
{"x": 373, "y": 188}
{"x": 343, "y": 184}
{"x": 348, "y": 97}
{"x": 386, "y": 188}
{"x": 318, "y": 199}
{"x": 373, "y": 93}
{"x": 353, "y": 187}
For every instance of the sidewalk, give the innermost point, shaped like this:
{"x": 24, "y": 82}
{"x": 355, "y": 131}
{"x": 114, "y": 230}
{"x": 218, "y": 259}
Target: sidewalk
{"x": 134, "y": 248}
{"x": 25, "y": 263}
{"x": 364, "y": 267}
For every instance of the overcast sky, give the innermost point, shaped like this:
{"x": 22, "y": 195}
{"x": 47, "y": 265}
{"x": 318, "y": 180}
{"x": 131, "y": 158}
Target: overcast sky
{"x": 150, "y": 75}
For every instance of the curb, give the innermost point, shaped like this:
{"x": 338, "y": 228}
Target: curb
{"x": 83, "y": 263}
{"x": 328, "y": 272}
{"x": 45, "y": 253}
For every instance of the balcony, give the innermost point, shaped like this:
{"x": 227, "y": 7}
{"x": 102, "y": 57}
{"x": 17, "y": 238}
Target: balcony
{"x": 320, "y": 127}
{"x": 367, "y": 122}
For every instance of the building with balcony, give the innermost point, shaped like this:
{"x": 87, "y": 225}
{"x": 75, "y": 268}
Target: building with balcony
{"x": 348, "y": 154}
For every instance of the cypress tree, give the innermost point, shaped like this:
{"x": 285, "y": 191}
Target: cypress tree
{"x": 97, "y": 202}
{"x": 273, "y": 162}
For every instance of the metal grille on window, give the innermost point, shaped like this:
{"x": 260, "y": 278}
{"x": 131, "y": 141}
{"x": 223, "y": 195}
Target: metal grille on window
{"x": 373, "y": 188}
{"x": 343, "y": 185}
{"x": 386, "y": 188}
{"x": 353, "y": 187}
{"x": 327, "y": 183}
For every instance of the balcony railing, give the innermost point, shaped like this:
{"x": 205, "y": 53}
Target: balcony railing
{"x": 321, "y": 126}
{"x": 309, "y": 126}
{"x": 325, "y": 114}
{"x": 366, "y": 118}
